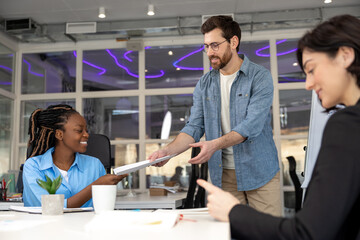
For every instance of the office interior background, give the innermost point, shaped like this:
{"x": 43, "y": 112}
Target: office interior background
{"x": 124, "y": 72}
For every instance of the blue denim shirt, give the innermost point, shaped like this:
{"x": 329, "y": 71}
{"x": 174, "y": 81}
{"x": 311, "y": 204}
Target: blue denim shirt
{"x": 251, "y": 94}
{"x": 83, "y": 171}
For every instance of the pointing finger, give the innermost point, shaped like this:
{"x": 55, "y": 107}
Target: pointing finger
{"x": 208, "y": 186}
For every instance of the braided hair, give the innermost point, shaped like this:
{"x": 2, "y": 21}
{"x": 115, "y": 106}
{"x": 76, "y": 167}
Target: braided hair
{"x": 42, "y": 126}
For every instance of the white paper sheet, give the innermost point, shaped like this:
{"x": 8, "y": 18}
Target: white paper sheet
{"x": 139, "y": 165}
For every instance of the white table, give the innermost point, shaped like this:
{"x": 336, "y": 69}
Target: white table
{"x": 145, "y": 201}
{"x": 139, "y": 201}
{"x": 18, "y": 225}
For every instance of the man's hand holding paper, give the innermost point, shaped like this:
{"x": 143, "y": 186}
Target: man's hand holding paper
{"x": 159, "y": 154}
{"x": 139, "y": 165}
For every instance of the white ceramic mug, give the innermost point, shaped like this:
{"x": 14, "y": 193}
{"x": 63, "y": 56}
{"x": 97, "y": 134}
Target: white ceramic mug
{"x": 103, "y": 197}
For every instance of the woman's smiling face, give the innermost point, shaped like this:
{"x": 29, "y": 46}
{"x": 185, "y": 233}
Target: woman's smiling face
{"x": 75, "y": 135}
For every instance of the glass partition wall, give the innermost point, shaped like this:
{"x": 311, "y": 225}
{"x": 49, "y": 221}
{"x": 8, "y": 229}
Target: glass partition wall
{"x": 7, "y": 97}
{"x": 129, "y": 96}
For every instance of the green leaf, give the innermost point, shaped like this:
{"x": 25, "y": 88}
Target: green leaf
{"x": 58, "y": 181}
{"x": 51, "y": 186}
{"x": 41, "y": 183}
{"x": 48, "y": 180}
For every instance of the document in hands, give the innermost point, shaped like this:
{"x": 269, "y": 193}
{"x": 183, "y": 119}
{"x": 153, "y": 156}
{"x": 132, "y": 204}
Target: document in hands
{"x": 139, "y": 165}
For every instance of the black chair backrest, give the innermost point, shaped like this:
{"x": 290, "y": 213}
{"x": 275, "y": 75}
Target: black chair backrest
{"x": 99, "y": 147}
{"x": 295, "y": 179}
{"x": 19, "y": 183}
{"x": 195, "y": 197}
{"x": 28, "y": 151}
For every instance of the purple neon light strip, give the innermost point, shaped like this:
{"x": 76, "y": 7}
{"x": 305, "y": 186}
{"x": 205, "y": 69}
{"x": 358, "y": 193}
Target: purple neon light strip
{"x": 126, "y": 57}
{"x": 31, "y": 72}
{"x": 128, "y": 71}
{"x": 175, "y": 64}
{"x": 289, "y": 79}
{"x": 103, "y": 70}
{"x": 6, "y": 68}
{"x": 128, "y": 52}
{"x": 5, "y": 83}
{"x": 257, "y": 52}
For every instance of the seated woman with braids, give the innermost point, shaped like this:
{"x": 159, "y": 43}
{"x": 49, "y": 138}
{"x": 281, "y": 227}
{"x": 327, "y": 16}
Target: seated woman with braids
{"x": 58, "y": 135}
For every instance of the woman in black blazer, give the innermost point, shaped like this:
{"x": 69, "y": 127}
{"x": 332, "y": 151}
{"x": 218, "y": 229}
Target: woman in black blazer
{"x": 330, "y": 57}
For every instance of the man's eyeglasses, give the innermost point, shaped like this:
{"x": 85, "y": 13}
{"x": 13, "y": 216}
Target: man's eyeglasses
{"x": 214, "y": 46}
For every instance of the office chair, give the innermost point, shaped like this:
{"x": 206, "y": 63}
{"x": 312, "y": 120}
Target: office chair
{"x": 195, "y": 197}
{"x": 99, "y": 147}
{"x": 296, "y": 182}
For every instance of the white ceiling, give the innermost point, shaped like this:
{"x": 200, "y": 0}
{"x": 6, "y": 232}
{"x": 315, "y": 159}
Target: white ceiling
{"x": 61, "y": 11}
{"x": 51, "y": 12}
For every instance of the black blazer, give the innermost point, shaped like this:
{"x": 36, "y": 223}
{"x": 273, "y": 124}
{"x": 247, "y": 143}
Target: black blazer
{"x": 332, "y": 205}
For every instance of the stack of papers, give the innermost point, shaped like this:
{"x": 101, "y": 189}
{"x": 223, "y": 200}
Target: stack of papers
{"x": 139, "y": 165}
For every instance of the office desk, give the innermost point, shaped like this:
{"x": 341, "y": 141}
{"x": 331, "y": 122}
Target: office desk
{"x": 145, "y": 201}
{"x": 18, "y": 225}
{"x": 139, "y": 201}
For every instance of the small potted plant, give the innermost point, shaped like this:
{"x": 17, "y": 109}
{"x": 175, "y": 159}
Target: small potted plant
{"x": 52, "y": 204}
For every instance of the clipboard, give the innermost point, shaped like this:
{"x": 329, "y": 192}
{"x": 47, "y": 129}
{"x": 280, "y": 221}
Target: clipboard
{"x": 139, "y": 165}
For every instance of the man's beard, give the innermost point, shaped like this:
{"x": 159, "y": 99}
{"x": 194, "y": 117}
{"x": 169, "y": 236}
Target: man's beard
{"x": 223, "y": 61}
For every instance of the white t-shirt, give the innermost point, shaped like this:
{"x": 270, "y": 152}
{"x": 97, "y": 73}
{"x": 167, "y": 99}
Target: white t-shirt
{"x": 225, "y": 87}
{"x": 64, "y": 174}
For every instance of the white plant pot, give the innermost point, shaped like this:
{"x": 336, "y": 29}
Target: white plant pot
{"x": 52, "y": 204}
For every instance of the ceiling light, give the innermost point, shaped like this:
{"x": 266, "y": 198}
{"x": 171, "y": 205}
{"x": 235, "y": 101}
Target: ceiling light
{"x": 327, "y": 1}
{"x": 177, "y": 69}
{"x": 170, "y": 53}
{"x": 295, "y": 64}
{"x": 102, "y": 12}
{"x": 151, "y": 10}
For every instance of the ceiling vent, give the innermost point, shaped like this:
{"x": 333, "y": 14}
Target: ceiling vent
{"x": 81, "y": 27}
{"x": 19, "y": 25}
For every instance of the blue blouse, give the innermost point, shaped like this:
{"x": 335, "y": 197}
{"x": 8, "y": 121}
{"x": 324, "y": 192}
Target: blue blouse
{"x": 83, "y": 172}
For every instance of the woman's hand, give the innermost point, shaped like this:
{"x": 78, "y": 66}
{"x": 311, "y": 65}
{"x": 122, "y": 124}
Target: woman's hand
{"x": 219, "y": 202}
{"x": 109, "y": 179}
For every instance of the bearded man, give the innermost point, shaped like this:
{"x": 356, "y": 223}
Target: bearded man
{"x": 231, "y": 106}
